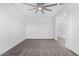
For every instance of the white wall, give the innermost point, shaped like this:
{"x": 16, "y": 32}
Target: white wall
{"x": 75, "y": 27}
{"x": 62, "y": 24}
{"x": 12, "y": 27}
{"x": 62, "y": 20}
{"x": 39, "y": 28}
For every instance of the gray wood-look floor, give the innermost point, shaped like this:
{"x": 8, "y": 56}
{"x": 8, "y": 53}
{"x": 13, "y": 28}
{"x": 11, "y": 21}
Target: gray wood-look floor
{"x": 39, "y": 47}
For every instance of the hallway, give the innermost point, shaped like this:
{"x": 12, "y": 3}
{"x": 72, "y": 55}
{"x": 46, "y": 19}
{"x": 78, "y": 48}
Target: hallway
{"x": 39, "y": 47}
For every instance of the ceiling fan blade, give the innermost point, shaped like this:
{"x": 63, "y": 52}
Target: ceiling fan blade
{"x": 47, "y": 9}
{"x": 32, "y": 9}
{"x": 29, "y": 4}
{"x": 61, "y": 3}
{"x": 50, "y": 5}
{"x": 36, "y": 11}
{"x": 42, "y": 11}
{"x": 40, "y": 4}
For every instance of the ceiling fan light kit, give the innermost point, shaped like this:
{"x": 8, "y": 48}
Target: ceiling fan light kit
{"x": 42, "y": 6}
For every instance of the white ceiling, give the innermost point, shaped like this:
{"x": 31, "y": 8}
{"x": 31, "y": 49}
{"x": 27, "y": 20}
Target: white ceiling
{"x": 22, "y": 8}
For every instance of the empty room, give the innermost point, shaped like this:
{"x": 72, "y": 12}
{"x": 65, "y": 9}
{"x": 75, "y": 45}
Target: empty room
{"x": 39, "y": 29}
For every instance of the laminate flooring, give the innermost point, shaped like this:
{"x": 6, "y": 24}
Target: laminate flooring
{"x": 39, "y": 47}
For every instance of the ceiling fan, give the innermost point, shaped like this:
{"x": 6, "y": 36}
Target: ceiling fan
{"x": 42, "y": 6}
